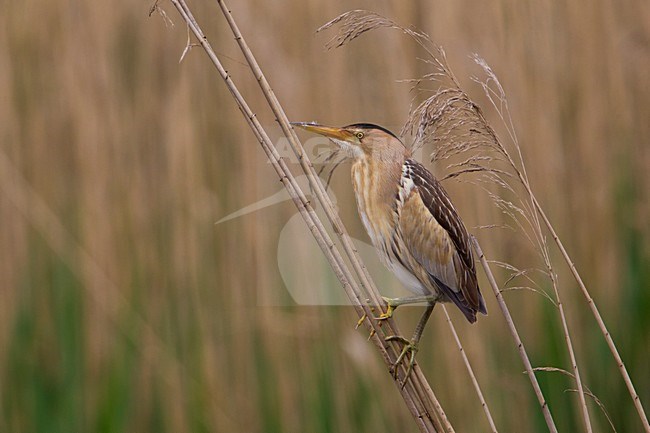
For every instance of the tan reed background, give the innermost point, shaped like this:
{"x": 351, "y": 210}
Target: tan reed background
{"x": 123, "y": 307}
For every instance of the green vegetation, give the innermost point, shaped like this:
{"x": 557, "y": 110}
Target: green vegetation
{"x": 123, "y": 307}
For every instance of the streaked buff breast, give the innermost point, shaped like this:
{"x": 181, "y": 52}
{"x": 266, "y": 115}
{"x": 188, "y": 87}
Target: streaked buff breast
{"x": 375, "y": 209}
{"x": 378, "y": 208}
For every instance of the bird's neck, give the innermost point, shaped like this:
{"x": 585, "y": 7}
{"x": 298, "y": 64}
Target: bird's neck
{"x": 376, "y": 183}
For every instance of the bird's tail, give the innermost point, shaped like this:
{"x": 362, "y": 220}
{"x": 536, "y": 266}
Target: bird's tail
{"x": 460, "y": 301}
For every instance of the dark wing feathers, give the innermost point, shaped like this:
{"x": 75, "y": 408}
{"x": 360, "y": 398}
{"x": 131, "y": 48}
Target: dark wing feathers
{"x": 435, "y": 198}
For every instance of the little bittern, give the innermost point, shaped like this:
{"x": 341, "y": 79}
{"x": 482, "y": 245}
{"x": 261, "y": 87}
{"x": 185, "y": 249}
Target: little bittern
{"x": 411, "y": 223}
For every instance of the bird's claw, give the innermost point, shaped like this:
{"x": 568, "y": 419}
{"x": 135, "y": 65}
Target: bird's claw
{"x": 411, "y": 347}
{"x": 360, "y": 322}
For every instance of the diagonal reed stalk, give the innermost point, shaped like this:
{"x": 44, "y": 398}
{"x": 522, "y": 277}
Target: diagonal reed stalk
{"x": 470, "y": 371}
{"x": 515, "y": 335}
{"x": 416, "y": 392}
{"x": 599, "y": 319}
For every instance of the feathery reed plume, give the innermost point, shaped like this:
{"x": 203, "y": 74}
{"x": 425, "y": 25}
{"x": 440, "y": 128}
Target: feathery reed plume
{"x": 353, "y": 24}
{"x": 455, "y": 126}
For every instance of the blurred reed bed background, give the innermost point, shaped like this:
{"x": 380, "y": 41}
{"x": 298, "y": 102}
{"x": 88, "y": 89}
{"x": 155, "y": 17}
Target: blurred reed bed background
{"x": 125, "y": 308}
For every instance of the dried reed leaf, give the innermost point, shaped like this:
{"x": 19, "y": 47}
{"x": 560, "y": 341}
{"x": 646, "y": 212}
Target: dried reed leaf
{"x": 532, "y": 289}
{"x": 494, "y": 226}
{"x": 155, "y": 8}
{"x": 525, "y": 273}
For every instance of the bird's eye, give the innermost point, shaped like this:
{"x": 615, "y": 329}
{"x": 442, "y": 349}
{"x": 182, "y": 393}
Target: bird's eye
{"x": 359, "y": 135}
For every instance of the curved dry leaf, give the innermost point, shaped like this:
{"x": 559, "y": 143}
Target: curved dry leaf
{"x": 587, "y": 391}
{"x": 532, "y": 289}
{"x": 494, "y": 226}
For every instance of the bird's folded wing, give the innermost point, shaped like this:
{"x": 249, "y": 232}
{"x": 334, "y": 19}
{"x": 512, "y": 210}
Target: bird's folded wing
{"x": 439, "y": 240}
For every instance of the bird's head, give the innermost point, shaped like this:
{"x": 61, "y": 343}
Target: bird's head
{"x": 360, "y": 140}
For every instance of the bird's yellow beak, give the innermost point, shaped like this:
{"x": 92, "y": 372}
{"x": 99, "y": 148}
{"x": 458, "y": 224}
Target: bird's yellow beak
{"x": 327, "y": 131}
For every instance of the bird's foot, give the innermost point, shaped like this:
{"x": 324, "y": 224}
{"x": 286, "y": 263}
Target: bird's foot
{"x": 409, "y": 351}
{"x": 391, "y": 307}
{"x": 393, "y": 303}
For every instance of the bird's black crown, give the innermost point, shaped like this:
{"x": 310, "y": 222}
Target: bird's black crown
{"x": 371, "y": 126}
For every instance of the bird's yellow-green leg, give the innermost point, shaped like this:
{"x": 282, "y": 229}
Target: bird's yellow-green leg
{"x": 393, "y": 303}
{"x": 411, "y": 346}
